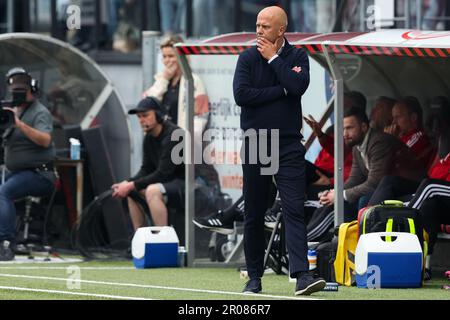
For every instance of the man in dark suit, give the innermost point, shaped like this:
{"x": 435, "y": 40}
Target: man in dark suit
{"x": 269, "y": 82}
{"x": 375, "y": 155}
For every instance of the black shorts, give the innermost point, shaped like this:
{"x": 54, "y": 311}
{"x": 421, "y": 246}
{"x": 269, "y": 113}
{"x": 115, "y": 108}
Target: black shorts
{"x": 174, "y": 193}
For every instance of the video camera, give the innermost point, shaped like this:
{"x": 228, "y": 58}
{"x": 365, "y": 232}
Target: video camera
{"x": 19, "y": 97}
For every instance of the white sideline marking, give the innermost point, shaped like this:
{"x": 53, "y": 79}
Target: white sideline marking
{"x": 72, "y": 293}
{"x": 159, "y": 287}
{"x": 65, "y": 268}
{"x": 39, "y": 260}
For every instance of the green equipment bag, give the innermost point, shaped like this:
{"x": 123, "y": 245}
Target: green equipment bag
{"x": 392, "y": 216}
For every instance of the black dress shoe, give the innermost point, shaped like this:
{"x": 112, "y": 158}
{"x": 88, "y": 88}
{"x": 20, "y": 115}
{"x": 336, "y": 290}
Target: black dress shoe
{"x": 253, "y": 286}
{"x": 307, "y": 285}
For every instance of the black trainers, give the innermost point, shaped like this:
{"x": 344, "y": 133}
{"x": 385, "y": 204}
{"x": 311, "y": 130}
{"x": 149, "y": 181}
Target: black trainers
{"x": 6, "y": 253}
{"x": 217, "y": 222}
{"x": 270, "y": 219}
{"x": 253, "y": 286}
{"x": 307, "y": 284}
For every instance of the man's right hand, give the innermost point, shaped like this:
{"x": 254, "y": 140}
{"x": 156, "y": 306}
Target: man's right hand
{"x": 314, "y": 126}
{"x": 393, "y": 129}
{"x": 123, "y": 189}
{"x": 327, "y": 198}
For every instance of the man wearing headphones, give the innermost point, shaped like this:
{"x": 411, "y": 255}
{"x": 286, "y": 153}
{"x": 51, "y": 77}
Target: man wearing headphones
{"x": 29, "y": 153}
{"x": 159, "y": 180}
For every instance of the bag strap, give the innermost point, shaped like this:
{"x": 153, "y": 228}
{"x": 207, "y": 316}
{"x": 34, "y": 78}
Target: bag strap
{"x": 412, "y": 226}
{"x": 389, "y": 225}
{"x": 394, "y": 203}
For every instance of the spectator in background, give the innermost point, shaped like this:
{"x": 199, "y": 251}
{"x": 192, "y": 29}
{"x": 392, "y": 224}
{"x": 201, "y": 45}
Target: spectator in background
{"x": 3, "y": 12}
{"x": 351, "y": 16}
{"x": 170, "y": 87}
{"x": 433, "y": 10}
{"x": 249, "y": 8}
{"x": 85, "y": 38}
{"x": 212, "y": 17}
{"x": 325, "y": 15}
{"x": 381, "y": 115}
{"x": 61, "y": 19}
{"x": 127, "y": 37}
{"x": 407, "y": 125}
{"x": 113, "y": 16}
{"x": 172, "y": 15}
{"x": 303, "y": 13}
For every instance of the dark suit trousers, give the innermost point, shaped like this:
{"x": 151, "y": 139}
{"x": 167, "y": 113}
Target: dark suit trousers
{"x": 290, "y": 181}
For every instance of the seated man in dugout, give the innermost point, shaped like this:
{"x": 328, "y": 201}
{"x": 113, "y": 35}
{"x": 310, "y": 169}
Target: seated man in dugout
{"x": 381, "y": 114}
{"x": 375, "y": 155}
{"x": 159, "y": 181}
{"x": 407, "y": 125}
{"x": 395, "y": 187}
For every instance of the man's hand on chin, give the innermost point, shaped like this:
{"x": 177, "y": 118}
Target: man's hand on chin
{"x": 267, "y": 48}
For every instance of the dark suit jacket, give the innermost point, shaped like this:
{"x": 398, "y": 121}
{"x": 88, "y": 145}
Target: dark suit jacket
{"x": 387, "y": 155}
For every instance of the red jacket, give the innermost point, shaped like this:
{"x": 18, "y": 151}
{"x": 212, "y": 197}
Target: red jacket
{"x": 420, "y": 145}
{"x": 325, "y": 159}
{"x": 441, "y": 169}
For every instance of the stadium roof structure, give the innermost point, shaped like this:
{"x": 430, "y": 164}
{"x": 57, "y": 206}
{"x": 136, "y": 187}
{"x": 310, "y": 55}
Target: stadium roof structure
{"x": 391, "y": 42}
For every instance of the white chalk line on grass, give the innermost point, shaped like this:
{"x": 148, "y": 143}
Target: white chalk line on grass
{"x": 107, "y": 296}
{"x": 159, "y": 287}
{"x": 65, "y": 268}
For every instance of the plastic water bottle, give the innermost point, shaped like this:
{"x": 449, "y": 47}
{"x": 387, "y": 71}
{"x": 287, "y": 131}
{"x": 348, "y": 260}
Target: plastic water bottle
{"x": 312, "y": 258}
{"x": 182, "y": 257}
{"x": 74, "y": 149}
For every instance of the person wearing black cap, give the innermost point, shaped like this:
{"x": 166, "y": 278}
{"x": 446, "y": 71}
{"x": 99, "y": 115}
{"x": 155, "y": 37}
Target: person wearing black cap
{"x": 160, "y": 181}
{"x": 29, "y": 153}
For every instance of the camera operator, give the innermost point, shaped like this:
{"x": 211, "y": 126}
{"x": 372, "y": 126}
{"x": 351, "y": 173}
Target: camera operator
{"x": 29, "y": 153}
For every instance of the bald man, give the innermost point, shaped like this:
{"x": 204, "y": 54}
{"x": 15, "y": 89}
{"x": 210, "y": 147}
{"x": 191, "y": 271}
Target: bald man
{"x": 269, "y": 82}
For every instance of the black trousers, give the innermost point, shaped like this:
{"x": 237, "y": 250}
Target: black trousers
{"x": 290, "y": 180}
{"x": 432, "y": 198}
{"x": 393, "y": 188}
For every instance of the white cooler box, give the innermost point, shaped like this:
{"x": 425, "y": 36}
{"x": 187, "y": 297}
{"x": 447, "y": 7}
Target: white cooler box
{"x": 398, "y": 261}
{"x": 155, "y": 247}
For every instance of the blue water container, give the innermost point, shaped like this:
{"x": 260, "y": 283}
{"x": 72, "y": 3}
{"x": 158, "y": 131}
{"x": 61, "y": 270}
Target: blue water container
{"x": 388, "y": 260}
{"x": 155, "y": 247}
